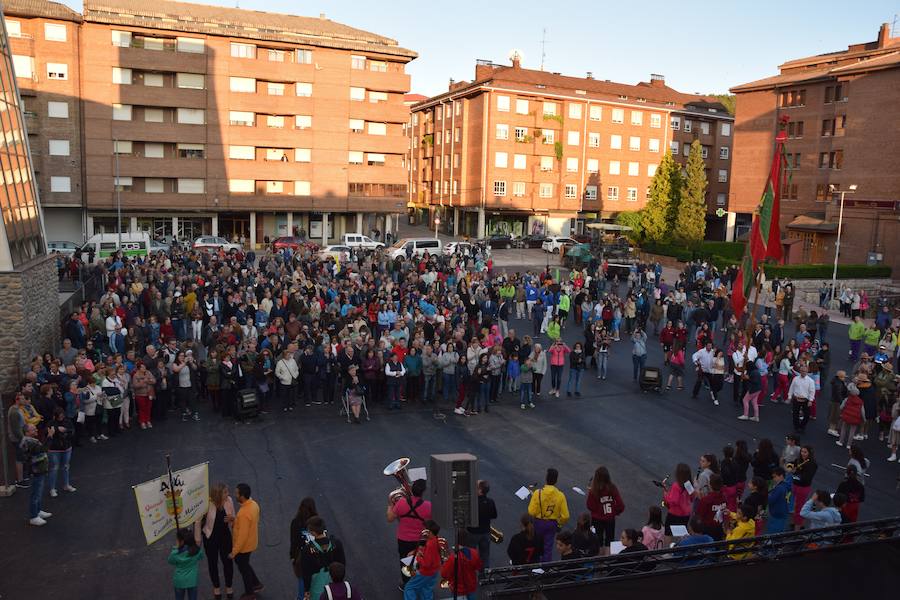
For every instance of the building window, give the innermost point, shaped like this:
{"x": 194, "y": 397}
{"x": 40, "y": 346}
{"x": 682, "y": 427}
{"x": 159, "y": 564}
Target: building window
{"x": 358, "y": 94}
{"x": 723, "y": 152}
{"x": 275, "y": 89}
{"x": 676, "y": 123}
{"x": 632, "y": 195}
{"x": 303, "y": 121}
{"x": 275, "y": 55}
{"x": 721, "y": 199}
{"x": 549, "y": 109}
{"x": 377, "y": 128}
{"x": 521, "y": 134}
{"x": 546, "y": 190}
{"x": 827, "y": 127}
{"x": 456, "y": 161}
{"x": 154, "y": 150}
{"x": 840, "y": 125}
{"x": 242, "y": 152}
{"x": 192, "y": 116}
{"x": 121, "y": 112}
{"x": 357, "y": 125}
{"x": 23, "y": 66}
{"x": 457, "y": 133}
{"x": 13, "y": 29}
{"x": 688, "y": 125}
{"x": 60, "y": 71}
{"x": 614, "y": 167}
{"x": 152, "y": 43}
{"x": 376, "y": 97}
{"x": 518, "y": 189}
{"x": 634, "y": 169}
{"x": 548, "y": 136}
{"x": 618, "y": 115}
{"x": 503, "y": 106}
{"x": 191, "y": 150}
{"x": 521, "y": 108}
{"x": 596, "y": 112}
{"x": 795, "y": 129}
{"x": 792, "y": 191}
{"x": 355, "y": 157}
{"x": 837, "y": 160}
{"x": 237, "y": 117}
{"x": 593, "y": 165}
{"x": 60, "y": 184}
{"x": 378, "y": 66}
{"x": 651, "y": 170}
{"x": 156, "y": 115}
{"x": 637, "y": 117}
{"x": 546, "y": 164}
{"x": 150, "y": 79}
{"x": 590, "y": 192}
{"x": 123, "y": 184}
{"x": 61, "y": 147}
{"x": 358, "y": 62}
{"x": 653, "y": 145}
{"x": 571, "y": 191}
{"x": 704, "y": 127}
{"x": 303, "y": 57}
{"x": 375, "y": 160}
{"x": 686, "y": 149}
{"x": 190, "y": 45}
{"x": 274, "y": 187}
{"x": 574, "y": 111}
{"x": 192, "y": 81}
{"x": 499, "y": 188}
{"x": 655, "y": 120}
{"x": 154, "y": 185}
{"x": 502, "y": 132}
{"x": 612, "y": 193}
{"x": 723, "y": 176}
{"x": 634, "y": 143}
{"x": 674, "y": 147}
{"x": 726, "y": 129}
{"x": 573, "y": 138}
{"x": 594, "y": 140}
{"x": 243, "y": 50}
{"x": 793, "y": 98}
{"x": 571, "y": 165}
{"x": 500, "y": 160}
{"x": 704, "y": 152}
{"x": 304, "y": 90}
{"x": 58, "y": 110}
{"x": 54, "y": 32}
{"x": 519, "y": 161}
{"x": 615, "y": 142}
{"x": 302, "y": 188}
{"x": 191, "y": 186}
{"x": 241, "y": 186}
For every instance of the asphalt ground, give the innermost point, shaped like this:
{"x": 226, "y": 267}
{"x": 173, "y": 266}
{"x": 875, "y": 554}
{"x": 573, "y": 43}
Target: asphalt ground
{"x": 93, "y": 547}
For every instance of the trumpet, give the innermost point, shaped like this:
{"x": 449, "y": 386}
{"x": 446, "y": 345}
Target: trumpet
{"x": 398, "y": 469}
{"x": 496, "y": 535}
{"x": 664, "y": 484}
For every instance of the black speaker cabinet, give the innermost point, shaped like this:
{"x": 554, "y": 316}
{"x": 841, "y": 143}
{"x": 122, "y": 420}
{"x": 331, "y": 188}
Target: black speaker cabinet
{"x": 453, "y": 481}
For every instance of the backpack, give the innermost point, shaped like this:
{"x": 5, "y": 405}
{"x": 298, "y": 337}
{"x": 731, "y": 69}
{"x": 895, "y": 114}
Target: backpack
{"x": 322, "y": 577}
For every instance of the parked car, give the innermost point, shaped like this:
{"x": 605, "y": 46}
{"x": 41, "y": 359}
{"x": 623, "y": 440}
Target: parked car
{"x": 499, "y": 240}
{"x": 358, "y": 240}
{"x": 336, "y": 251}
{"x": 418, "y": 246}
{"x": 67, "y": 248}
{"x": 554, "y": 243}
{"x": 454, "y": 247}
{"x": 210, "y": 242}
{"x": 158, "y": 246}
{"x": 532, "y": 241}
{"x": 291, "y": 241}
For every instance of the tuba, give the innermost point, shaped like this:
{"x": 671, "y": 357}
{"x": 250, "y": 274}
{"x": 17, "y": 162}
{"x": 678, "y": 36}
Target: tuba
{"x": 398, "y": 470}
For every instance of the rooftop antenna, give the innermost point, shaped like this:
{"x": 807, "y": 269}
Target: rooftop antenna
{"x": 544, "y": 42}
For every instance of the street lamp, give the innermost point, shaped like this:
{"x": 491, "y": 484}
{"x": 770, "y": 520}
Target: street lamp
{"x": 837, "y": 245}
{"x": 437, "y": 222}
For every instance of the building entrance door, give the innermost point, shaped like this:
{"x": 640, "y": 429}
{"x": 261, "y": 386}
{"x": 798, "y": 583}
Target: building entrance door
{"x": 191, "y": 229}
{"x": 234, "y": 226}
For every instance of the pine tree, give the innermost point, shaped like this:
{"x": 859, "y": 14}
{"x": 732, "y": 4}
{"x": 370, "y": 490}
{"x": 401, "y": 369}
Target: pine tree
{"x": 656, "y": 220}
{"x": 690, "y": 220}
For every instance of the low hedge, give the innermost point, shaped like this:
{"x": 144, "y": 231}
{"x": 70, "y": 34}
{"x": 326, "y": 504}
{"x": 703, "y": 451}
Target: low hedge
{"x": 722, "y": 254}
{"x": 733, "y": 251}
{"x": 825, "y": 271}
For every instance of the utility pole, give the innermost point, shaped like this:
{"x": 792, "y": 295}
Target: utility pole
{"x": 118, "y": 196}
{"x": 544, "y": 42}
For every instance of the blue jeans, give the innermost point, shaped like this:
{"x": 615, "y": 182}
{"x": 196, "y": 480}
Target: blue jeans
{"x": 420, "y": 586}
{"x": 602, "y": 359}
{"x": 428, "y": 390}
{"x": 191, "y": 593}
{"x": 524, "y": 398}
{"x": 59, "y": 460}
{"x": 484, "y": 394}
{"x": 638, "y": 361}
{"x": 37, "y": 490}
{"x": 556, "y": 377}
{"x": 576, "y": 375}
{"x": 449, "y": 391}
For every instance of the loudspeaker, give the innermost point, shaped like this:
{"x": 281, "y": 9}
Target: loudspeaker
{"x": 453, "y": 481}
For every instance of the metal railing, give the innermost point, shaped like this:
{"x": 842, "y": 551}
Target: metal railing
{"x": 508, "y": 581}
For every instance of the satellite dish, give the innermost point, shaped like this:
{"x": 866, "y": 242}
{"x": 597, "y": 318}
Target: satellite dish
{"x": 515, "y": 55}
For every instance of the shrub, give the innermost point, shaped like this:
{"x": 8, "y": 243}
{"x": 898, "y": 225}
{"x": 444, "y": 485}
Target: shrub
{"x": 825, "y": 271}
{"x": 733, "y": 251}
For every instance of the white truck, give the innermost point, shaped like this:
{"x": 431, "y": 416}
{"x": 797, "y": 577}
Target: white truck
{"x": 358, "y": 240}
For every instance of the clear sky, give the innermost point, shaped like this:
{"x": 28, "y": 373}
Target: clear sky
{"x": 699, "y": 46}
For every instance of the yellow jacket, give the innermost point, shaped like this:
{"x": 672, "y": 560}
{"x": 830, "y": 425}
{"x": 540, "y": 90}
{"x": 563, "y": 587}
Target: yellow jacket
{"x": 549, "y": 503}
{"x": 742, "y": 530}
{"x": 246, "y": 528}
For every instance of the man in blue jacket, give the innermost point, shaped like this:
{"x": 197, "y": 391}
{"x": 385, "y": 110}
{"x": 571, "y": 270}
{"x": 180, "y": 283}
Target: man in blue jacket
{"x": 781, "y": 503}
{"x": 819, "y": 511}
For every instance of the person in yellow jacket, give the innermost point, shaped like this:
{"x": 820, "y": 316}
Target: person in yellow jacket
{"x": 742, "y": 525}
{"x": 550, "y": 511}
{"x": 246, "y": 539}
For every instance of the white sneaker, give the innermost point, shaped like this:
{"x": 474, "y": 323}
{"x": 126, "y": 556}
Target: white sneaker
{"x": 149, "y": 425}
{"x": 70, "y": 488}
{"x": 838, "y": 443}
{"x": 54, "y": 493}
{"x": 44, "y": 515}
{"x": 93, "y": 440}
{"x": 102, "y": 437}
{"x": 522, "y": 407}
{"x": 37, "y": 522}
{"x": 459, "y": 410}
{"x": 834, "y": 433}
{"x": 715, "y": 402}
{"x": 743, "y": 418}
{"x": 892, "y": 458}
{"x": 756, "y": 419}
{"x": 858, "y": 437}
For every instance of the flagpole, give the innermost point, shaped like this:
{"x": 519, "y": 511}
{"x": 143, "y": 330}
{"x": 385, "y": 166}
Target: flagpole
{"x": 751, "y": 320}
{"x": 172, "y": 491}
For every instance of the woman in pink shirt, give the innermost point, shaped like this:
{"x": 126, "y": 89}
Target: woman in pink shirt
{"x": 678, "y": 499}
{"x": 558, "y": 352}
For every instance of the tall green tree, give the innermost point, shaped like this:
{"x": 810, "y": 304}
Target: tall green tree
{"x": 690, "y": 220}
{"x": 633, "y": 219}
{"x": 656, "y": 217}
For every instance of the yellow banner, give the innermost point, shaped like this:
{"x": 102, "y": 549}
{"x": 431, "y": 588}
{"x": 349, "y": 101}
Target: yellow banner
{"x": 157, "y": 502}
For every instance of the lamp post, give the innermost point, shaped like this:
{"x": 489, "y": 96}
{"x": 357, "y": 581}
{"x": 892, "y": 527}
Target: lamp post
{"x": 437, "y": 222}
{"x": 837, "y": 245}
{"x": 118, "y": 196}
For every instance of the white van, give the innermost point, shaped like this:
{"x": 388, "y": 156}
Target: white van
{"x": 105, "y": 244}
{"x": 358, "y": 240}
{"x": 419, "y": 247}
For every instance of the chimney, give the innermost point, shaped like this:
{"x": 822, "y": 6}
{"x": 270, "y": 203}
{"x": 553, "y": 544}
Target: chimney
{"x": 884, "y": 35}
{"x": 483, "y": 69}
{"x": 657, "y": 80}
{"x": 516, "y": 62}
{"x": 590, "y": 75}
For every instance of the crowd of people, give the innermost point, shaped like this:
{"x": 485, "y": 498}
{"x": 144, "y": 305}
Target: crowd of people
{"x": 172, "y": 332}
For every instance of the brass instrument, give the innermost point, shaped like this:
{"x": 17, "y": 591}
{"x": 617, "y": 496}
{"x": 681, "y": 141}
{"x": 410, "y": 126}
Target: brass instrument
{"x": 443, "y": 548}
{"x": 398, "y": 470}
{"x": 496, "y": 535}
{"x": 792, "y": 468}
{"x": 664, "y": 484}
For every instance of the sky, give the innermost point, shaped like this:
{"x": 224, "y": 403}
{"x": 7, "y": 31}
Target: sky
{"x": 698, "y": 46}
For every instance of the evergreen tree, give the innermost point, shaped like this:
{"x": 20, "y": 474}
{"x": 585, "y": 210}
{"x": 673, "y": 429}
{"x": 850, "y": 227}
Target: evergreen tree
{"x": 656, "y": 217}
{"x": 690, "y": 220}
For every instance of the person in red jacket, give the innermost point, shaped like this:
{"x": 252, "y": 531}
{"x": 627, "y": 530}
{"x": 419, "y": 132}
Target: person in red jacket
{"x": 461, "y": 569}
{"x": 605, "y": 504}
{"x": 712, "y": 508}
{"x": 428, "y": 563}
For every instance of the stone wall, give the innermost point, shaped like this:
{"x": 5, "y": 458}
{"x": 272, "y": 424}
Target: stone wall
{"x": 29, "y": 318}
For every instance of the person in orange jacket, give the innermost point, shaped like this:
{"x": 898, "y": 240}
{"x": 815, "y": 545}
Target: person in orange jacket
{"x": 464, "y": 578}
{"x": 245, "y": 541}
{"x": 428, "y": 564}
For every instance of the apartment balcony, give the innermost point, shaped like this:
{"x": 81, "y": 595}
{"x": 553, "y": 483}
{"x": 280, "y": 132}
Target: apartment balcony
{"x": 386, "y": 112}
{"x": 263, "y": 136}
{"x": 158, "y": 96}
{"x": 389, "y": 81}
{"x": 140, "y": 166}
{"x": 160, "y": 60}
{"x": 370, "y": 174}
{"x": 159, "y": 132}
{"x": 261, "y": 102}
{"x": 262, "y": 68}
{"x": 269, "y": 170}
{"x": 385, "y": 144}
{"x": 168, "y": 201}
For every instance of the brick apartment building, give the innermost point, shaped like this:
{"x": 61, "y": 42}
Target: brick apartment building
{"x": 525, "y": 152}
{"x": 844, "y": 108}
{"x": 210, "y": 120}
